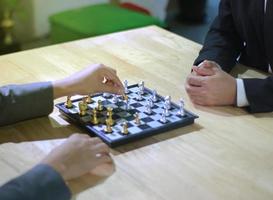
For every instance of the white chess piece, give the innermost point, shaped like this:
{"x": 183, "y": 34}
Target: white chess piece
{"x": 168, "y": 102}
{"x": 148, "y": 109}
{"x": 181, "y": 111}
{"x": 163, "y": 117}
{"x": 151, "y": 103}
{"x": 154, "y": 97}
{"x": 139, "y": 96}
{"x": 166, "y": 110}
{"x": 126, "y": 91}
{"x": 127, "y": 104}
{"x": 141, "y": 87}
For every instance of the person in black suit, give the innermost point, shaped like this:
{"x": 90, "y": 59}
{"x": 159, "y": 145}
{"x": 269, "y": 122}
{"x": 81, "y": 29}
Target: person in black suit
{"x": 242, "y": 32}
{"x": 78, "y": 155}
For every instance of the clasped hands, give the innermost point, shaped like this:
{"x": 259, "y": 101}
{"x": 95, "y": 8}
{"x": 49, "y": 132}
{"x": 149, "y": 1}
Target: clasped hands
{"x": 209, "y": 85}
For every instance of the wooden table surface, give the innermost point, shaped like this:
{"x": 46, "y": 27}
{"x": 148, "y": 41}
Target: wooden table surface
{"x": 226, "y": 154}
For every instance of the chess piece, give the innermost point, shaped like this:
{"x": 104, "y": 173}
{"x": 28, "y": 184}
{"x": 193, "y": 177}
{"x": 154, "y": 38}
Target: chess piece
{"x": 127, "y": 104}
{"x": 166, "y": 110}
{"x": 108, "y": 128}
{"x": 137, "y": 120}
{"x": 89, "y": 100}
{"x": 125, "y": 97}
{"x": 163, "y": 117}
{"x": 95, "y": 120}
{"x": 154, "y": 97}
{"x": 84, "y": 103}
{"x": 151, "y": 103}
{"x": 68, "y": 103}
{"x": 115, "y": 98}
{"x": 141, "y": 87}
{"x": 82, "y": 108}
{"x": 126, "y": 91}
{"x": 99, "y": 106}
{"x": 110, "y": 116}
{"x": 168, "y": 102}
{"x": 181, "y": 111}
{"x": 125, "y": 128}
{"x": 148, "y": 109}
{"x": 139, "y": 96}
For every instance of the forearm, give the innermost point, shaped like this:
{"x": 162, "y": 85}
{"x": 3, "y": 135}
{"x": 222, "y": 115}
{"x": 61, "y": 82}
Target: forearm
{"x": 21, "y": 102}
{"x": 42, "y": 182}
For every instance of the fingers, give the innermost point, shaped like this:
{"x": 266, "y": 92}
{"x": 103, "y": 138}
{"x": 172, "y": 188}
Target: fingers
{"x": 100, "y": 148}
{"x": 196, "y": 80}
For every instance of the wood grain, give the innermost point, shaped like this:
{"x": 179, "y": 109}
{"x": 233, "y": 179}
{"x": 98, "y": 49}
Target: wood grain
{"x": 226, "y": 154}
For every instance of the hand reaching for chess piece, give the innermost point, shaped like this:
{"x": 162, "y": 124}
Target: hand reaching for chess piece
{"x": 93, "y": 79}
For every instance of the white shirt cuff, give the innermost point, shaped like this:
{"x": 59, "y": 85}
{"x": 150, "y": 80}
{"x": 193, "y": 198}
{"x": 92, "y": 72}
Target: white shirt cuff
{"x": 241, "y": 94}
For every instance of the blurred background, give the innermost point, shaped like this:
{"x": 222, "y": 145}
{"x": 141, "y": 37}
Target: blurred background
{"x": 27, "y": 24}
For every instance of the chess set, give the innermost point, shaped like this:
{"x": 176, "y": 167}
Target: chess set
{"x": 120, "y": 119}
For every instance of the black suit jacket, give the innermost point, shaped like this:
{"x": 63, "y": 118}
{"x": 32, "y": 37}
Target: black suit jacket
{"x": 243, "y": 32}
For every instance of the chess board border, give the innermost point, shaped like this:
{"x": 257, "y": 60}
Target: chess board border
{"x": 75, "y": 118}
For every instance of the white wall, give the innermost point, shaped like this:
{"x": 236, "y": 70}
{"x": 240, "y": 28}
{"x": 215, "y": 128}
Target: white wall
{"x": 36, "y": 25}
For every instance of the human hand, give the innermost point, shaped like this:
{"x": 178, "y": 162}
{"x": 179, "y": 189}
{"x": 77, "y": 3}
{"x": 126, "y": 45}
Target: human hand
{"x": 93, "y": 79}
{"x": 209, "y": 85}
{"x": 77, "y": 156}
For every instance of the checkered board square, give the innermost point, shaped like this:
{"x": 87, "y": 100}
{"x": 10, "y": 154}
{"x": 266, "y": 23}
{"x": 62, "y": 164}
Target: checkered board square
{"x": 150, "y": 124}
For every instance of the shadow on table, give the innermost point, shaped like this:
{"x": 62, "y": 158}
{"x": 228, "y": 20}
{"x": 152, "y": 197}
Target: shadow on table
{"x": 44, "y": 128}
{"x": 157, "y": 139}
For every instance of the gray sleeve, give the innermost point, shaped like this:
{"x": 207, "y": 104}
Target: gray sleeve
{"x": 21, "y": 102}
{"x": 42, "y": 182}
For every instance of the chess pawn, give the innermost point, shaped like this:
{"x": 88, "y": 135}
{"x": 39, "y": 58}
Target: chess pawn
{"x": 82, "y": 109}
{"x": 95, "y": 120}
{"x": 68, "y": 103}
{"x": 137, "y": 120}
{"x": 84, "y": 103}
{"x": 89, "y": 100}
{"x": 168, "y": 102}
{"x": 151, "y": 103}
{"x": 99, "y": 106}
{"x": 126, "y": 91}
{"x": 163, "y": 117}
{"x": 148, "y": 109}
{"x": 127, "y": 104}
{"x": 125, "y": 128}
{"x": 154, "y": 97}
{"x": 139, "y": 96}
{"x": 166, "y": 110}
{"x": 110, "y": 116}
{"x": 141, "y": 87}
{"x": 108, "y": 128}
{"x": 181, "y": 111}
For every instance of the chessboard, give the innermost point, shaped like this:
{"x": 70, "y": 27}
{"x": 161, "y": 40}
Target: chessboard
{"x": 139, "y": 114}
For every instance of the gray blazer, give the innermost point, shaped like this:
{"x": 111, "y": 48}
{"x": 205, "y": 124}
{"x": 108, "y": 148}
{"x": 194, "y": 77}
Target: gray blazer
{"x": 21, "y": 102}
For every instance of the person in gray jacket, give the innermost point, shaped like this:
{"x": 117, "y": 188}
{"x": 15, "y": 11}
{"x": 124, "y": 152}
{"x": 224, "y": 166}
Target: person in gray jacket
{"x": 78, "y": 155}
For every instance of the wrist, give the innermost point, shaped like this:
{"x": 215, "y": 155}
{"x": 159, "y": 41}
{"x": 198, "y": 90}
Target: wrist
{"x": 60, "y": 89}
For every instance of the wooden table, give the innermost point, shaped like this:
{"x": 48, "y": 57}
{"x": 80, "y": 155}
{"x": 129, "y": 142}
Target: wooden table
{"x": 226, "y": 154}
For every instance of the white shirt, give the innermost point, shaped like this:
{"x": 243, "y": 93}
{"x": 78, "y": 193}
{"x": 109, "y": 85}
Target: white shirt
{"x": 242, "y": 100}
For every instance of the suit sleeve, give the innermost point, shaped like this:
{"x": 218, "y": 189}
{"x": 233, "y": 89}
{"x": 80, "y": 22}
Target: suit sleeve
{"x": 259, "y": 94}
{"x": 41, "y": 182}
{"x": 21, "y": 102}
{"x": 223, "y": 43}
